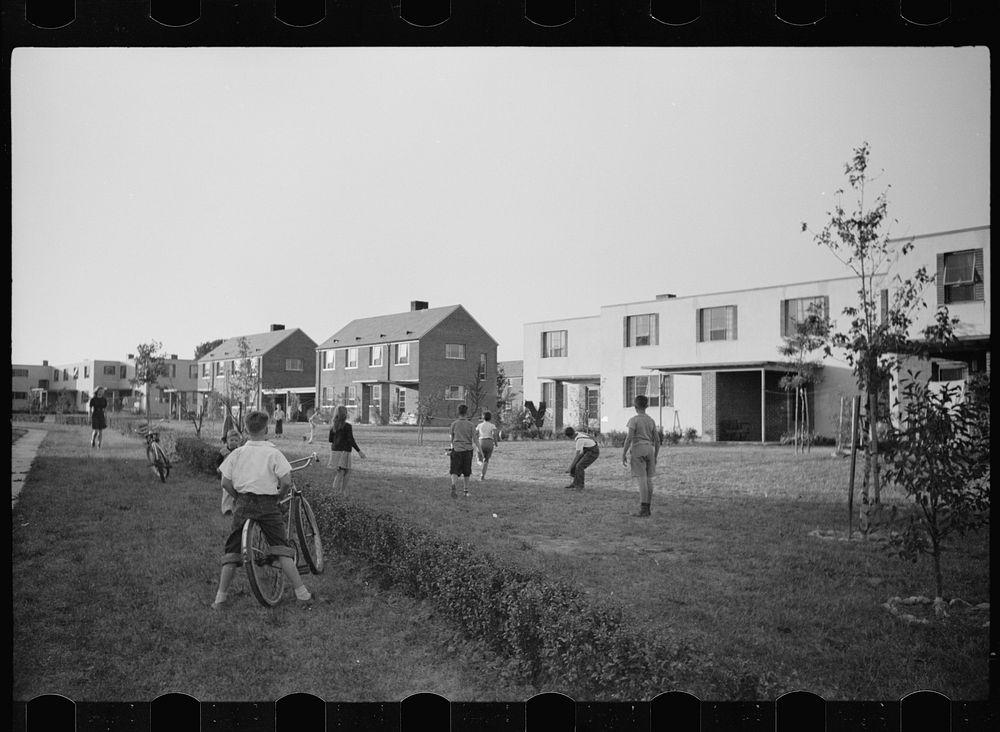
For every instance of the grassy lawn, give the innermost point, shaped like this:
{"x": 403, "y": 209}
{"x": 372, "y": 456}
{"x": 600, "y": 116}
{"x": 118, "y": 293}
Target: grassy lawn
{"x": 119, "y": 570}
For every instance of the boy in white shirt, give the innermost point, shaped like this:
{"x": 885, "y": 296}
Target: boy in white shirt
{"x": 487, "y": 442}
{"x": 257, "y": 476}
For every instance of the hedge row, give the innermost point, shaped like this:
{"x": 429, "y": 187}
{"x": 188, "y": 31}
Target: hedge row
{"x": 547, "y": 631}
{"x": 197, "y": 453}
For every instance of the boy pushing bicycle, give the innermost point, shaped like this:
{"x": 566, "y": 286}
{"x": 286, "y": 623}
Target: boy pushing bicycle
{"x": 258, "y": 476}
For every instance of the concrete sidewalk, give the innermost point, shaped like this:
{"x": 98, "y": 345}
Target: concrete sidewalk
{"x": 22, "y": 454}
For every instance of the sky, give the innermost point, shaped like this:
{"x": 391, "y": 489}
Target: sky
{"x": 183, "y": 195}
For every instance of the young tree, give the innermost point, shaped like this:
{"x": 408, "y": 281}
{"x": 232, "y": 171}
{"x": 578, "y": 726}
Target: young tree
{"x": 150, "y": 365}
{"x": 428, "y": 405}
{"x": 503, "y": 390}
{"x": 878, "y": 335}
{"x": 475, "y": 395}
{"x": 810, "y": 335}
{"x": 940, "y": 456}
{"x": 243, "y": 383}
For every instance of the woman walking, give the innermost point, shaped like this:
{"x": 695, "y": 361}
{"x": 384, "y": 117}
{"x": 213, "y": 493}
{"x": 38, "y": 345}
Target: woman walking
{"x": 98, "y": 422}
{"x": 341, "y": 443}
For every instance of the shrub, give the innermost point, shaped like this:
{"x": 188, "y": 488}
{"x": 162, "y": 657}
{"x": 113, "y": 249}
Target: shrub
{"x": 690, "y": 435}
{"x": 547, "y": 631}
{"x": 200, "y": 455}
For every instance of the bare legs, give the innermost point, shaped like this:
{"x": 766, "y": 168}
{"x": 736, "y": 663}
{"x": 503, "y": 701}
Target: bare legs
{"x": 95, "y": 438}
{"x": 340, "y": 481}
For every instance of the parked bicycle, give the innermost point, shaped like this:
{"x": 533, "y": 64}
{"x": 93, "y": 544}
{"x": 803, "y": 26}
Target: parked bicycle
{"x": 155, "y": 454}
{"x": 267, "y": 581}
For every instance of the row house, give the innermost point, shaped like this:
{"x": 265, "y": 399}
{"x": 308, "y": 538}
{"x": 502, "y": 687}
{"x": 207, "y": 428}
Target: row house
{"x": 384, "y": 368}
{"x": 282, "y": 360}
{"x": 71, "y": 385}
{"x": 711, "y": 362}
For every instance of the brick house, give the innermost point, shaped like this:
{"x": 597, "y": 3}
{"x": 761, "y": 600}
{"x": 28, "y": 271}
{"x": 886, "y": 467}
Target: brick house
{"x": 380, "y": 367}
{"x": 285, "y": 363}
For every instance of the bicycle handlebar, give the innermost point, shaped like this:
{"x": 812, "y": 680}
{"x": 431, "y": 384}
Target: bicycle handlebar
{"x": 308, "y": 460}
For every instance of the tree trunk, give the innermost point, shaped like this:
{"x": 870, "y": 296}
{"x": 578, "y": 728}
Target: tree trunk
{"x": 873, "y": 410}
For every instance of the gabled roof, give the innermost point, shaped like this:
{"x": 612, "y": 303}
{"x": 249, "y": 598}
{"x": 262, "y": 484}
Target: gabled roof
{"x": 409, "y": 326}
{"x": 260, "y": 343}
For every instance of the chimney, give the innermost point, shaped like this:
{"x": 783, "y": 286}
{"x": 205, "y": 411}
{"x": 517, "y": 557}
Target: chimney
{"x": 666, "y": 296}
{"x": 130, "y": 357}
{"x": 45, "y": 363}
{"x": 173, "y": 356}
{"x": 277, "y": 326}
{"x": 418, "y": 305}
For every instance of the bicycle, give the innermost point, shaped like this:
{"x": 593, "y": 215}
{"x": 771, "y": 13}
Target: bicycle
{"x": 267, "y": 581}
{"x": 155, "y": 454}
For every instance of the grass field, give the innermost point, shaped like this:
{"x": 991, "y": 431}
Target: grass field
{"x": 113, "y": 574}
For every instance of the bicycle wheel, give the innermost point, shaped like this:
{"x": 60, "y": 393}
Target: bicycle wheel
{"x": 308, "y": 533}
{"x": 267, "y": 581}
{"x": 152, "y": 458}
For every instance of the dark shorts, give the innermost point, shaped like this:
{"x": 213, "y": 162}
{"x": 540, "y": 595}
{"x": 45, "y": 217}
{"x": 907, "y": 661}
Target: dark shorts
{"x": 461, "y": 463}
{"x": 266, "y": 511}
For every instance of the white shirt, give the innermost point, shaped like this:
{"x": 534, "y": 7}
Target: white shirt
{"x": 256, "y": 467}
{"x": 583, "y": 440}
{"x": 486, "y": 430}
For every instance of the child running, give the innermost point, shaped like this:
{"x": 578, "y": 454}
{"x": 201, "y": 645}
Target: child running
{"x": 257, "y": 476}
{"x": 487, "y": 442}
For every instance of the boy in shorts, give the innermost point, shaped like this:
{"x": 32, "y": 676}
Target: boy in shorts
{"x": 642, "y": 447}
{"x": 464, "y": 439}
{"x": 258, "y": 476}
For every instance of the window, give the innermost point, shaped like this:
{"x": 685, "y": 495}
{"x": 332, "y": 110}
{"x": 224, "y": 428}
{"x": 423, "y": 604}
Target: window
{"x": 173, "y": 371}
{"x": 454, "y": 393}
{"x": 351, "y": 358}
{"x": 554, "y": 344}
{"x": 55, "y": 375}
{"x": 593, "y": 402}
{"x": 329, "y": 359}
{"x": 109, "y": 370}
{"x": 351, "y": 394}
{"x": 642, "y": 330}
{"x": 402, "y": 353}
{"x": 19, "y": 373}
{"x": 193, "y": 371}
{"x": 961, "y": 273}
{"x": 549, "y": 395}
{"x": 717, "y": 324}
{"x": 86, "y": 372}
{"x": 324, "y": 397}
{"x": 76, "y": 372}
{"x": 400, "y": 400}
{"x": 375, "y": 358}
{"x": 454, "y": 350}
{"x": 204, "y": 370}
{"x": 293, "y": 364}
{"x": 481, "y": 373}
{"x": 219, "y": 368}
{"x": 949, "y": 371}
{"x": 797, "y": 310}
{"x": 65, "y": 375}
{"x": 376, "y": 398}
{"x": 19, "y": 395}
{"x": 123, "y": 372}
{"x": 650, "y": 386}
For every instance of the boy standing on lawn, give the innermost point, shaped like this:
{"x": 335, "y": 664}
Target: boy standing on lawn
{"x": 587, "y": 452}
{"x": 257, "y": 476}
{"x": 641, "y": 448}
{"x": 464, "y": 439}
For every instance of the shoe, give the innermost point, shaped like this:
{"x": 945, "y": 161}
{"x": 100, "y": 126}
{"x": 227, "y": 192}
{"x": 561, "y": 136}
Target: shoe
{"x": 313, "y": 600}
{"x": 217, "y": 606}
{"x": 569, "y": 487}
{"x": 466, "y": 494}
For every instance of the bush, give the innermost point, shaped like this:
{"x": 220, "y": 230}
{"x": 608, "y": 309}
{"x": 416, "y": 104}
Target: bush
{"x": 690, "y": 435}
{"x": 200, "y": 455}
{"x": 546, "y": 630}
